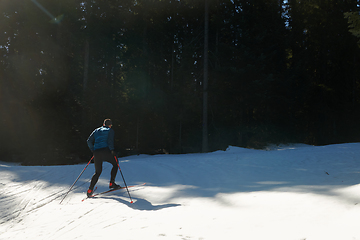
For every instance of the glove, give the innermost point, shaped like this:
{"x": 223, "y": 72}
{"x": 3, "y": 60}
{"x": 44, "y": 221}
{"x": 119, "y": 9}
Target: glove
{"x": 113, "y": 153}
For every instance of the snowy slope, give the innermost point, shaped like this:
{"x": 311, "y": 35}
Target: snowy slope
{"x": 291, "y": 192}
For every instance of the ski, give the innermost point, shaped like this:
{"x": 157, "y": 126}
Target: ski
{"x": 111, "y": 190}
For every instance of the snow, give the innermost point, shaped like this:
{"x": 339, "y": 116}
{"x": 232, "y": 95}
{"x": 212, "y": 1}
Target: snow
{"x": 285, "y": 192}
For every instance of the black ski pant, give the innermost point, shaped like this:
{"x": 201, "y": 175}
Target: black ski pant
{"x": 101, "y": 155}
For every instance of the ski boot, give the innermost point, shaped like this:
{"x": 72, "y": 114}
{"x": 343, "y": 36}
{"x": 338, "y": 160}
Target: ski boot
{"x": 113, "y": 185}
{"x": 89, "y": 192}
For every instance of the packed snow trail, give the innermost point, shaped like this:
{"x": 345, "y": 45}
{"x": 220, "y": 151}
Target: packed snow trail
{"x": 290, "y": 192}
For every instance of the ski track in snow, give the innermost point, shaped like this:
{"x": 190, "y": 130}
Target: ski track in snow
{"x": 289, "y": 192}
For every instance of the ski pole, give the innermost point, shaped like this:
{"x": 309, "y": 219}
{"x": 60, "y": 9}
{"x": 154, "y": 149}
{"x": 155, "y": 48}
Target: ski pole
{"x": 123, "y": 179}
{"x": 76, "y": 180}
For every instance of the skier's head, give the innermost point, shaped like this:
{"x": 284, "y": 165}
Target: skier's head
{"x": 107, "y": 122}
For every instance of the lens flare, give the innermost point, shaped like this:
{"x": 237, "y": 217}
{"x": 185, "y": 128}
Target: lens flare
{"x": 56, "y": 20}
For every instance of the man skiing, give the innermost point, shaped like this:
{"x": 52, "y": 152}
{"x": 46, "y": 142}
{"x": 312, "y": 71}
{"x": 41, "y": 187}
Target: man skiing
{"x": 101, "y": 143}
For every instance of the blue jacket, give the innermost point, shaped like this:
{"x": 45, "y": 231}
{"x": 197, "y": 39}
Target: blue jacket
{"x": 101, "y": 137}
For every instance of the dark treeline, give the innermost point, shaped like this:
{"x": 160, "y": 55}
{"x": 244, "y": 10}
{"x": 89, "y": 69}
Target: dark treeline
{"x": 279, "y": 72}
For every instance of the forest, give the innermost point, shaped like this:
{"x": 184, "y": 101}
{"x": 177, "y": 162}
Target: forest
{"x": 176, "y": 76}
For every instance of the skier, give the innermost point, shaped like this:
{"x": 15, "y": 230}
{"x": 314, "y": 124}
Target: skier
{"x": 101, "y": 143}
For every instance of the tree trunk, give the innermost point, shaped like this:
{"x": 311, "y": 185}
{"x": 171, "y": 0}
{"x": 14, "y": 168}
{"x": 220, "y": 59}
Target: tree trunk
{"x": 86, "y": 66}
{"x": 205, "y": 83}
{"x": 85, "y": 82}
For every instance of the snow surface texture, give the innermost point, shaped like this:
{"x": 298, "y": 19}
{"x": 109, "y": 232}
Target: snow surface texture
{"x": 288, "y": 192}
